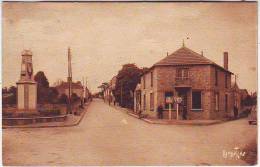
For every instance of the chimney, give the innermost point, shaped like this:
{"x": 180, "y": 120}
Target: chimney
{"x": 226, "y": 60}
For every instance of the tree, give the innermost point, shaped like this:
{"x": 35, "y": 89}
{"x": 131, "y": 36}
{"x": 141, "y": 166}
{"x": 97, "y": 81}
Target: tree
{"x": 74, "y": 97}
{"x": 13, "y": 91}
{"x": 4, "y": 90}
{"x": 127, "y": 79}
{"x": 250, "y": 100}
{"x": 103, "y": 87}
{"x": 52, "y": 95}
{"x": 41, "y": 79}
{"x": 42, "y": 87}
{"x": 9, "y": 96}
{"x": 63, "y": 99}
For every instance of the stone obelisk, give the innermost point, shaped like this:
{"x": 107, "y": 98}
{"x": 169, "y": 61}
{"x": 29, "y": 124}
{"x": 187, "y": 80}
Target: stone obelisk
{"x": 26, "y": 86}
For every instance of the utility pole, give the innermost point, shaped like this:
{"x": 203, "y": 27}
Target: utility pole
{"x": 69, "y": 109}
{"x": 121, "y": 94}
{"x": 83, "y": 93}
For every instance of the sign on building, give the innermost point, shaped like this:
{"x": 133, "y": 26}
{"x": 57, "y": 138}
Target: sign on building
{"x": 169, "y": 99}
{"x": 177, "y": 100}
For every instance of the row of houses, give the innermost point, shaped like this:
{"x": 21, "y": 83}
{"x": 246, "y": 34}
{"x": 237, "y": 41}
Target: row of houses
{"x": 205, "y": 87}
{"x": 76, "y": 87}
{"x": 108, "y": 92}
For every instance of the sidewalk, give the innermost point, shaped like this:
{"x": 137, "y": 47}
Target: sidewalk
{"x": 171, "y": 122}
{"x": 71, "y": 120}
{"x": 182, "y": 122}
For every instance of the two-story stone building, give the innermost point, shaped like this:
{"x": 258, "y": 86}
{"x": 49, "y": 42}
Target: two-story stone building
{"x": 204, "y": 86}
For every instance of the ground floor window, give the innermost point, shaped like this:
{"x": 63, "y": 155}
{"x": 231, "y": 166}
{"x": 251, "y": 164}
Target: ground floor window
{"x": 166, "y": 95}
{"x": 226, "y": 103}
{"x": 196, "y": 100}
{"x": 151, "y": 101}
{"x": 216, "y": 101}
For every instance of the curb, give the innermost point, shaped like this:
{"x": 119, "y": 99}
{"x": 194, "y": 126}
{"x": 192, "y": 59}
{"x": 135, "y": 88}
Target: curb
{"x": 167, "y": 123}
{"x": 181, "y": 123}
{"x": 175, "y": 123}
{"x": 51, "y": 126}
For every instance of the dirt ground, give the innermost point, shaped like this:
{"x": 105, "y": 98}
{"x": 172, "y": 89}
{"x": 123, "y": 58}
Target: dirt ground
{"x": 108, "y": 136}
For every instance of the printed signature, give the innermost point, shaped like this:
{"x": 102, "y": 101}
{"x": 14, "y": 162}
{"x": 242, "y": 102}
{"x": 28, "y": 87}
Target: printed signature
{"x": 236, "y": 154}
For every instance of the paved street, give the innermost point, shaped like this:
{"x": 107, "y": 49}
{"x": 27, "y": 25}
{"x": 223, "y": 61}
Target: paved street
{"x": 107, "y": 136}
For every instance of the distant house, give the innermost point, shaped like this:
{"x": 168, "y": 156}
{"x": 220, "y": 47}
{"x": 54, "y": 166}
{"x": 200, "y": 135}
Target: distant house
{"x": 77, "y": 88}
{"x": 204, "y": 86}
{"x": 238, "y": 95}
{"x": 244, "y": 93}
{"x": 108, "y": 93}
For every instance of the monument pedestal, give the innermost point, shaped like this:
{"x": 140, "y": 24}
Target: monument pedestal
{"x": 27, "y": 96}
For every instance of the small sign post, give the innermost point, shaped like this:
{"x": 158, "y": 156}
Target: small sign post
{"x": 177, "y": 100}
{"x": 170, "y": 112}
{"x": 169, "y": 100}
{"x": 177, "y": 117}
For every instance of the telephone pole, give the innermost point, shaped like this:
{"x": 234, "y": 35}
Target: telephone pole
{"x": 121, "y": 94}
{"x": 69, "y": 108}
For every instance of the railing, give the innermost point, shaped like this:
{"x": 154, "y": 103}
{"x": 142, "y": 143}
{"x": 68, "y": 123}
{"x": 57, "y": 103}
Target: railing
{"x": 182, "y": 81}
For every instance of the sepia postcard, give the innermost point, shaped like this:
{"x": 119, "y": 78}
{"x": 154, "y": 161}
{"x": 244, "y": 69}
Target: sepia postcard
{"x": 129, "y": 83}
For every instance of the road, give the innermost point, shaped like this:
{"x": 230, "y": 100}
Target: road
{"x": 108, "y": 136}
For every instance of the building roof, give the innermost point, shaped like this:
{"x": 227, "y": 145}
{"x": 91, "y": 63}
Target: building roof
{"x": 244, "y": 92}
{"x": 185, "y": 56}
{"x": 74, "y": 85}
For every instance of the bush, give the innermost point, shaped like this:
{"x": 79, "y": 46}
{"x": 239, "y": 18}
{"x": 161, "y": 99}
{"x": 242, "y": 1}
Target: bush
{"x": 74, "y": 98}
{"x": 19, "y": 115}
{"x": 52, "y": 112}
{"x": 244, "y": 113}
{"x": 7, "y": 114}
{"x": 63, "y": 99}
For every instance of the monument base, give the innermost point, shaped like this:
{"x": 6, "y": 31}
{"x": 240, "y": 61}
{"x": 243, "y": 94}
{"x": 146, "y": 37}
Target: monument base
{"x": 26, "y": 97}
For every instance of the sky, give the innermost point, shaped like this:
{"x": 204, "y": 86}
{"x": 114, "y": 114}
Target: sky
{"x": 104, "y": 36}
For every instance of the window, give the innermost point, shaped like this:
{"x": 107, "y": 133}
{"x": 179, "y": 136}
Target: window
{"x": 144, "y": 102}
{"x": 151, "y": 101}
{"x": 196, "y": 100}
{"x": 144, "y": 81}
{"x": 182, "y": 73}
{"x": 216, "y": 101}
{"x": 226, "y": 81}
{"x": 151, "y": 79}
{"x": 168, "y": 94}
{"x": 226, "y": 103}
{"x": 216, "y": 77}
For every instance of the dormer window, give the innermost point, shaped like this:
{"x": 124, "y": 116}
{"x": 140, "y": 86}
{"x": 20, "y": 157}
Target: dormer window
{"x": 182, "y": 73}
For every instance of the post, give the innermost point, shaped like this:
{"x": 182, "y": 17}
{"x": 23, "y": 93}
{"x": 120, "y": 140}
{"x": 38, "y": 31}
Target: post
{"x": 69, "y": 109}
{"x": 170, "y": 112}
{"x": 177, "y": 112}
{"x": 121, "y": 94}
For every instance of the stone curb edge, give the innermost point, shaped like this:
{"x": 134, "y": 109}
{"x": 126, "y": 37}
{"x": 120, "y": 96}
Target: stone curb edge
{"x": 51, "y": 126}
{"x": 175, "y": 123}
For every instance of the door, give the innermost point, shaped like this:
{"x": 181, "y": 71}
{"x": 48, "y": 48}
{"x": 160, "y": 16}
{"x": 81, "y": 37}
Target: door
{"x": 184, "y": 104}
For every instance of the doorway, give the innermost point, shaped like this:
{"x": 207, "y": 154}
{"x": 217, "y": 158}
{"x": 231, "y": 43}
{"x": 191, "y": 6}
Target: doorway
{"x": 183, "y": 93}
